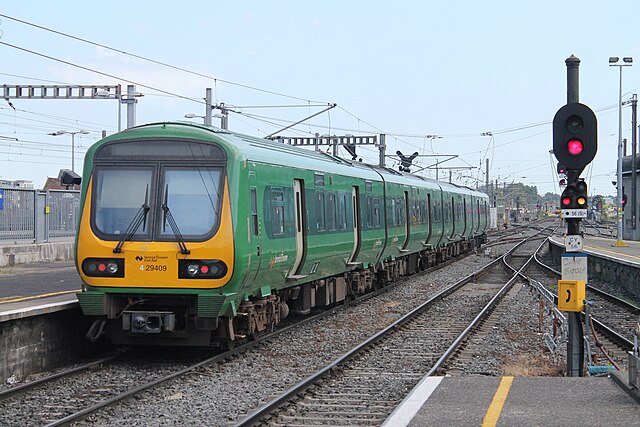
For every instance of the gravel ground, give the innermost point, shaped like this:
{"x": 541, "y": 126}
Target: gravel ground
{"x": 218, "y": 395}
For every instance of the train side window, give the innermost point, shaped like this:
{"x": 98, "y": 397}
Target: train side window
{"x": 425, "y": 212}
{"x": 369, "y": 211}
{"x": 377, "y": 220}
{"x": 277, "y": 210}
{"x": 342, "y": 211}
{"x": 254, "y": 211}
{"x": 320, "y": 216}
{"x": 332, "y": 220}
{"x": 400, "y": 214}
{"x": 391, "y": 212}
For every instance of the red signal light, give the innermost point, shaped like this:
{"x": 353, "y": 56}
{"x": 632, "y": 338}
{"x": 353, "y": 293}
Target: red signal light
{"x": 575, "y": 147}
{"x": 566, "y": 201}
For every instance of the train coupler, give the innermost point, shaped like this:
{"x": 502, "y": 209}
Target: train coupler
{"x": 148, "y": 322}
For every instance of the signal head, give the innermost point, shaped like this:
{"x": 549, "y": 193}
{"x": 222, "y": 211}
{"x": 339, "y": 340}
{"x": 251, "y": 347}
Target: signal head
{"x": 561, "y": 169}
{"x": 575, "y": 196}
{"x": 575, "y": 136}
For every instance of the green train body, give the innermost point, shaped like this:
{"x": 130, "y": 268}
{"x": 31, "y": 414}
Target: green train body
{"x": 191, "y": 235}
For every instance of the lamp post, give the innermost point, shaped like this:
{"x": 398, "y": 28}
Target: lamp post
{"x": 129, "y": 98}
{"x": 193, "y": 116}
{"x": 626, "y": 62}
{"x": 73, "y": 142}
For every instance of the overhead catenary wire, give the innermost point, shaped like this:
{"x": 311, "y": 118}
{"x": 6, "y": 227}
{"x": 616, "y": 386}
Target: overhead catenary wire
{"x": 164, "y": 64}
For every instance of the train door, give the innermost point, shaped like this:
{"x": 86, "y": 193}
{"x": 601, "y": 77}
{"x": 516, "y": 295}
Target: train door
{"x": 453, "y": 218}
{"x": 407, "y": 220}
{"x": 464, "y": 215}
{"x": 300, "y": 227}
{"x": 357, "y": 229}
{"x": 255, "y": 236}
{"x": 478, "y": 212}
{"x": 429, "y": 218}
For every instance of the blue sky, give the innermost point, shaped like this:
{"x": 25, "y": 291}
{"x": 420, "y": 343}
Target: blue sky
{"x": 454, "y": 69}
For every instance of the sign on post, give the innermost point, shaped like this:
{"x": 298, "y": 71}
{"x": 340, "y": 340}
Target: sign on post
{"x": 574, "y": 266}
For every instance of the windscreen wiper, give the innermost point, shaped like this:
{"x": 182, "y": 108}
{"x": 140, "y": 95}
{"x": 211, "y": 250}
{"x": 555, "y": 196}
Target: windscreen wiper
{"x": 172, "y": 223}
{"x": 139, "y": 218}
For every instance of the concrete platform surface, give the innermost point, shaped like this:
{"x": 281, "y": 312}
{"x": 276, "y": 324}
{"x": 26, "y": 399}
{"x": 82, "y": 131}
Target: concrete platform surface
{"x": 604, "y": 247}
{"x": 519, "y": 401}
{"x": 38, "y": 288}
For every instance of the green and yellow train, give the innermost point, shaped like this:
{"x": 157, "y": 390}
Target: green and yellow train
{"x": 193, "y": 235}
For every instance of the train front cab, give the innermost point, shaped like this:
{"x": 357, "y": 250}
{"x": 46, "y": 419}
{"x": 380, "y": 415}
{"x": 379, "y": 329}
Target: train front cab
{"x": 154, "y": 258}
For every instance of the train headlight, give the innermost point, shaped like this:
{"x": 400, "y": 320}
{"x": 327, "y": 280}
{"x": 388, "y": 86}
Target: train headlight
{"x": 99, "y": 267}
{"x": 201, "y": 269}
{"x": 193, "y": 269}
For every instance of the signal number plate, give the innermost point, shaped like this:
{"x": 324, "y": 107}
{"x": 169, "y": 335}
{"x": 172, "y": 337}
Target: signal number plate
{"x": 574, "y": 213}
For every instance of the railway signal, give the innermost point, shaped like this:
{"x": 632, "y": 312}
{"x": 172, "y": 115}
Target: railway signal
{"x": 574, "y": 200}
{"x": 575, "y": 143}
{"x": 575, "y": 136}
{"x": 624, "y": 201}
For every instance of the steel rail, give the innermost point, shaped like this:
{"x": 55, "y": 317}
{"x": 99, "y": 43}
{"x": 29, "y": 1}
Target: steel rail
{"x": 215, "y": 359}
{"x": 264, "y": 410}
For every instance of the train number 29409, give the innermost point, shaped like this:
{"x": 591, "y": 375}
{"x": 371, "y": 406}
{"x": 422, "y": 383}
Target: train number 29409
{"x": 154, "y": 267}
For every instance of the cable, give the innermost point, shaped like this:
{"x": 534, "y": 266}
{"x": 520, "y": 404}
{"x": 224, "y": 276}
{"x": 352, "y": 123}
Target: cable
{"x": 153, "y": 60}
{"x": 99, "y": 72}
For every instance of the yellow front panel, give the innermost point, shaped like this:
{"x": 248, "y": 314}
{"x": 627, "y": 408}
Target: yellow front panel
{"x": 155, "y": 264}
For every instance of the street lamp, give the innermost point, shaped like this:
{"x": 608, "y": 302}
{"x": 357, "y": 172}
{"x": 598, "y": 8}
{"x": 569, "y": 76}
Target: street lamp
{"x": 193, "y": 116}
{"x": 128, "y": 98}
{"x": 73, "y": 142}
{"x": 216, "y": 115}
{"x": 627, "y": 61}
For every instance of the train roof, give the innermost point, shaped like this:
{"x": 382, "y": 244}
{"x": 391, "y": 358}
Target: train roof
{"x": 245, "y": 147}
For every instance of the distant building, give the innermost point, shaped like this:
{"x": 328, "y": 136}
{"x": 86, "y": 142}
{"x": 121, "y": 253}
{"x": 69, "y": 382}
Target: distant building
{"x": 17, "y": 183}
{"x": 630, "y": 231}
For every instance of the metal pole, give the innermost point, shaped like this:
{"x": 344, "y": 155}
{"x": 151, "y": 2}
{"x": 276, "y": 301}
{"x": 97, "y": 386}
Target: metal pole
{"x": 619, "y": 233}
{"x": 575, "y": 348}
{"x": 382, "y": 148}
{"x": 634, "y": 150}
{"x": 573, "y": 79}
{"x": 119, "y": 112}
{"x": 131, "y": 106}
{"x": 73, "y": 151}
{"x": 487, "y": 179}
{"x": 208, "y": 99}
{"x": 224, "y": 120}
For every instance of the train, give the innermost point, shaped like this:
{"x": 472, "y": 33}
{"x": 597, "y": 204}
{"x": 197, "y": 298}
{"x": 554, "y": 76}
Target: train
{"x": 191, "y": 235}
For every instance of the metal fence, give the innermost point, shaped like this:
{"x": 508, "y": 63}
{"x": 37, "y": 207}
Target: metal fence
{"x": 38, "y": 216}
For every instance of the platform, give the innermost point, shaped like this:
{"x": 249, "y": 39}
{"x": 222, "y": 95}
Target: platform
{"x": 604, "y": 248}
{"x": 37, "y": 288}
{"x": 519, "y": 401}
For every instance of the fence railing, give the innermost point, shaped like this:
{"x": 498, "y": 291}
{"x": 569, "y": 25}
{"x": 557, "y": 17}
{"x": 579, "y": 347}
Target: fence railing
{"x": 36, "y": 215}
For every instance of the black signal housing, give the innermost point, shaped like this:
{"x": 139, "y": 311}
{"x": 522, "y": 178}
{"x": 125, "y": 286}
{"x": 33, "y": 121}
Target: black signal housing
{"x": 575, "y": 136}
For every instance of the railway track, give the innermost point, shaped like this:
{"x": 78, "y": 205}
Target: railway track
{"x": 613, "y": 320}
{"x": 114, "y": 406}
{"x": 364, "y": 385}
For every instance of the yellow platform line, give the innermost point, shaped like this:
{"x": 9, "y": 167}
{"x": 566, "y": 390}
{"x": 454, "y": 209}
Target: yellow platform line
{"x": 596, "y": 248}
{"x": 495, "y": 408}
{"x": 52, "y": 294}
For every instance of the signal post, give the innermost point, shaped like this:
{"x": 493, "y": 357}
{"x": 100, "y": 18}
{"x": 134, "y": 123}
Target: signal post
{"x": 575, "y": 142}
